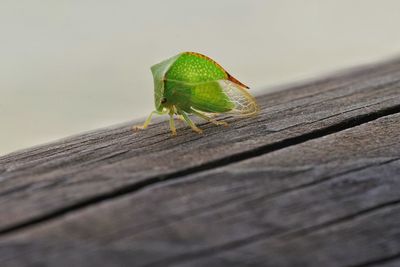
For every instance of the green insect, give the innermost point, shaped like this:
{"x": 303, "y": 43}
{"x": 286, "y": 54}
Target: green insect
{"x": 193, "y": 84}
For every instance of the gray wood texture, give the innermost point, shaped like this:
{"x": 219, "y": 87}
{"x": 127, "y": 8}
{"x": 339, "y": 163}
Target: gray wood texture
{"x": 314, "y": 180}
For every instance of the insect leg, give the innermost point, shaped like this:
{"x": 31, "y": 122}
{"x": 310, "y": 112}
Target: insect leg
{"x": 172, "y": 124}
{"x": 207, "y": 118}
{"x": 147, "y": 122}
{"x": 191, "y": 123}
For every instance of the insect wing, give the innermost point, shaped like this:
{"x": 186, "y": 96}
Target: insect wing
{"x": 244, "y": 103}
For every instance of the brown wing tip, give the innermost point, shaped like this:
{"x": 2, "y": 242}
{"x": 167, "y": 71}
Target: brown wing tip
{"x": 234, "y": 80}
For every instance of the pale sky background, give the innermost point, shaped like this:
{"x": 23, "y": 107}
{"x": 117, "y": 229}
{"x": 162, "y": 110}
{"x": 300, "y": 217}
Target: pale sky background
{"x": 70, "y": 66}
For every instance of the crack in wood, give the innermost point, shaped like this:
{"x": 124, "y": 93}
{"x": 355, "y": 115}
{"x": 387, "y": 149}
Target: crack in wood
{"x": 213, "y": 208}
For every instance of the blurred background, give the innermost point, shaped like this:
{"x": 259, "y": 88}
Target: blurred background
{"x": 72, "y": 66}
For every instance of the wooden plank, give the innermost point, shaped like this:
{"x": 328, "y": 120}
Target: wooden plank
{"x": 330, "y": 201}
{"x": 43, "y": 183}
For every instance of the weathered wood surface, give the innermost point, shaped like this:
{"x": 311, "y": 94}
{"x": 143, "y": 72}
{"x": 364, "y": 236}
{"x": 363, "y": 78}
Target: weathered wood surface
{"x": 313, "y": 181}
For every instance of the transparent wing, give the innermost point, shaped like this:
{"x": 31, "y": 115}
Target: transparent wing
{"x": 245, "y": 104}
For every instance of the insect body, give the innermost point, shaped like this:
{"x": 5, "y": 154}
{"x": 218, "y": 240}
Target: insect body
{"x": 193, "y": 84}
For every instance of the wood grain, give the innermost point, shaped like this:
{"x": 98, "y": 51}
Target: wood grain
{"x": 314, "y": 180}
{"x": 340, "y": 204}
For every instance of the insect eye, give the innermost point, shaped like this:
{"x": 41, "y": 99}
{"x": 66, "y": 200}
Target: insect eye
{"x": 163, "y": 100}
